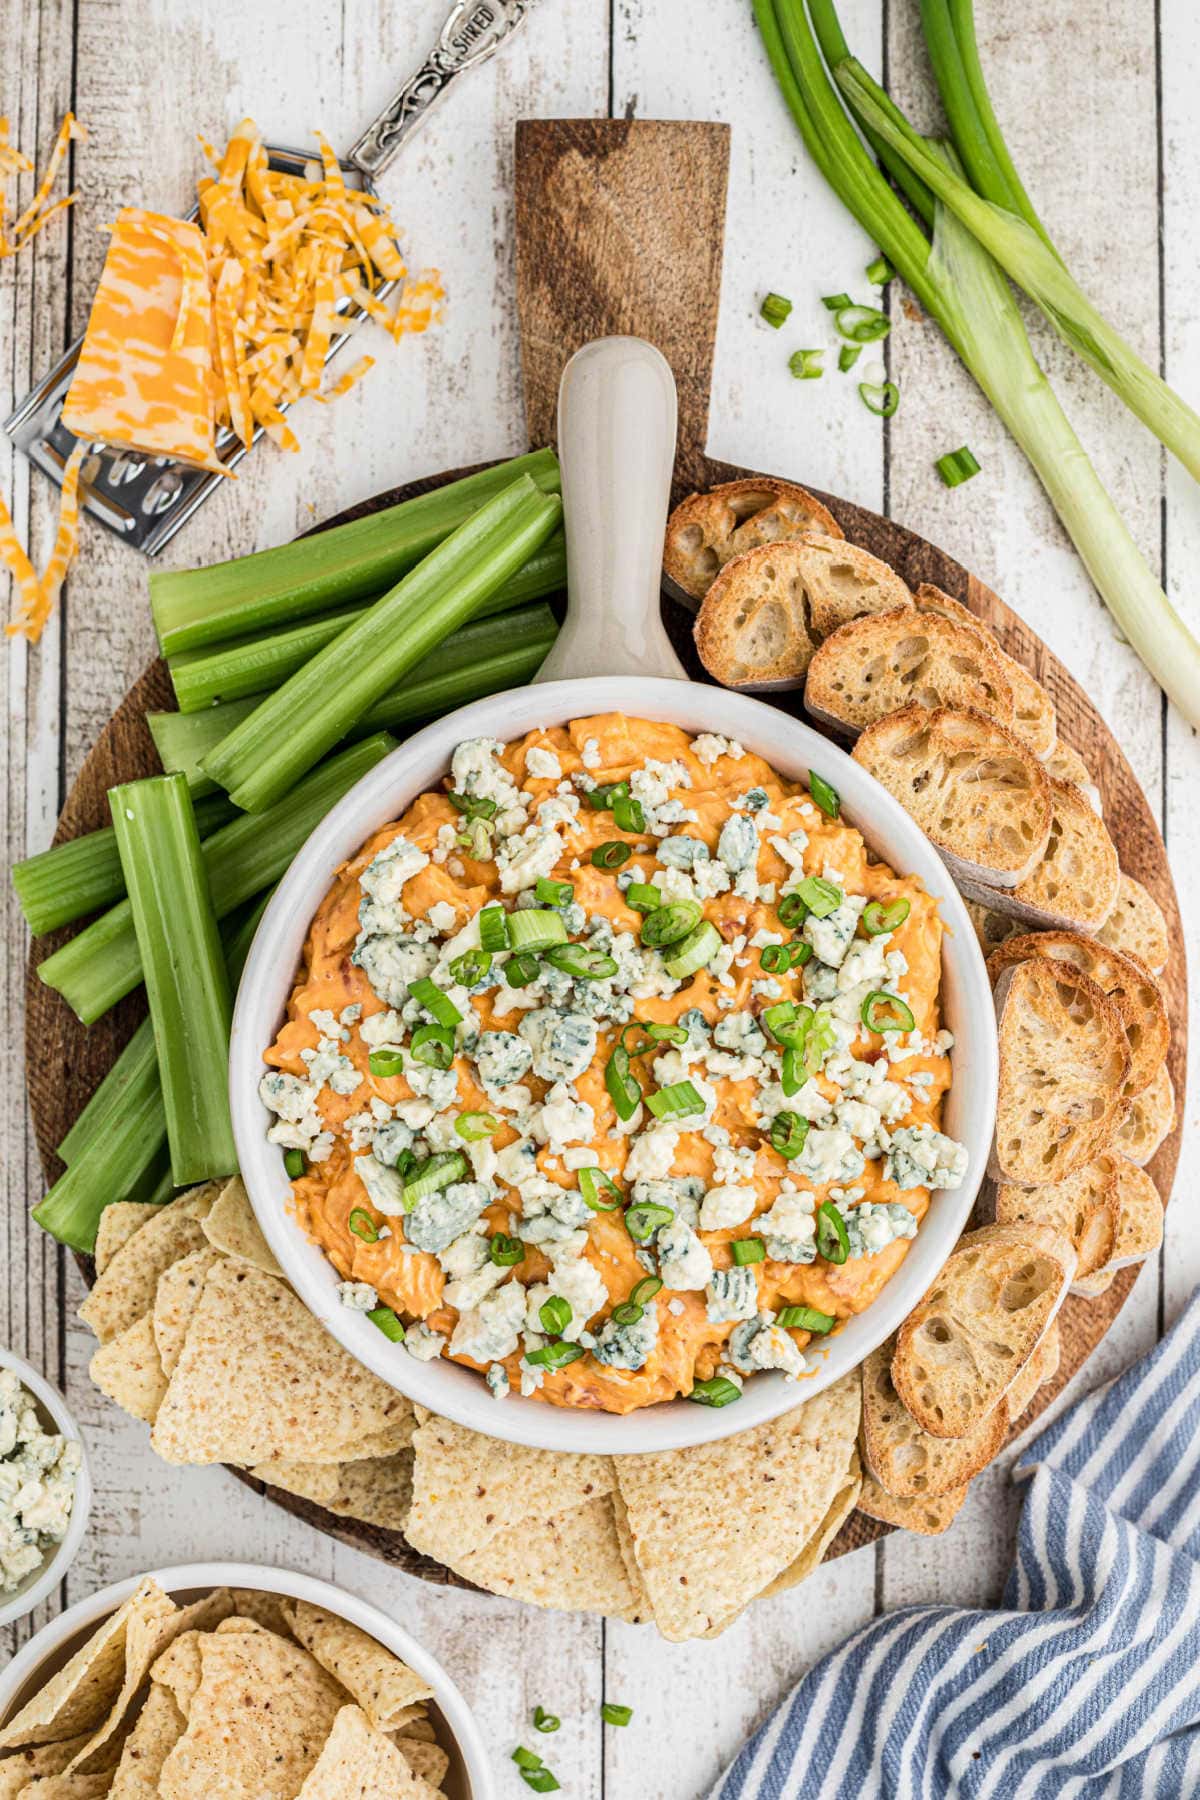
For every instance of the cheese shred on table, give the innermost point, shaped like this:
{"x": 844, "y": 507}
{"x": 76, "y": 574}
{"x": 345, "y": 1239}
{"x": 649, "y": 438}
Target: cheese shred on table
{"x": 36, "y": 597}
{"x": 40, "y": 210}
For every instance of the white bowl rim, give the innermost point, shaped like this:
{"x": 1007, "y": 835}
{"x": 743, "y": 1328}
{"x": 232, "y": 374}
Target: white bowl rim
{"x": 449, "y": 1389}
{"x": 56, "y": 1565}
{"x": 295, "y": 1586}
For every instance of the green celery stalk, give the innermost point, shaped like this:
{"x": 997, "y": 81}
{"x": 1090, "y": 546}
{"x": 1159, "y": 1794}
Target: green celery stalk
{"x": 103, "y": 963}
{"x": 132, "y": 1077}
{"x": 183, "y": 739}
{"x": 296, "y": 725}
{"x": 329, "y": 569}
{"x": 187, "y": 985}
{"x": 84, "y": 874}
{"x": 230, "y": 671}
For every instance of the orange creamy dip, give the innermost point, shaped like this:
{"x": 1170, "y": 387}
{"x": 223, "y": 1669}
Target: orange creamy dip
{"x": 707, "y": 782}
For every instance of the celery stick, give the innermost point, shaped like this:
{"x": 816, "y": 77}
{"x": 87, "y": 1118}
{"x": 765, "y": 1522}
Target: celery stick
{"x": 84, "y": 874}
{"x": 131, "y": 1078}
{"x": 103, "y": 963}
{"x": 255, "y": 665}
{"x": 330, "y": 569}
{"x": 182, "y": 739}
{"x": 296, "y": 725}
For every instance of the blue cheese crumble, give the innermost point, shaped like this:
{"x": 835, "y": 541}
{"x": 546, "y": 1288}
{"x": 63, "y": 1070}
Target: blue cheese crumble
{"x": 38, "y": 1475}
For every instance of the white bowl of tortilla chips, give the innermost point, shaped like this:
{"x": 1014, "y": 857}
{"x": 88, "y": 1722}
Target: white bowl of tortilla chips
{"x": 234, "y": 1679}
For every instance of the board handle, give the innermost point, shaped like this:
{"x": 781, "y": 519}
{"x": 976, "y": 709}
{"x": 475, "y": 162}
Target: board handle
{"x": 616, "y": 444}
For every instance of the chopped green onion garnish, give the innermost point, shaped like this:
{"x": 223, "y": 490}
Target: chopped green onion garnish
{"x": 668, "y": 924}
{"x": 788, "y": 1134}
{"x": 555, "y": 1315}
{"x": 434, "y": 1174}
{"x": 641, "y": 897}
{"x": 385, "y": 1320}
{"x": 363, "y": 1226}
{"x": 475, "y": 1126}
{"x": 471, "y": 967}
{"x": 473, "y": 806}
{"x": 775, "y": 309}
{"x": 787, "y": 1022}
{"x": 880, "y": 916}
{"x": 835, "y": 302}
{"x": 718, "y": 1390}
{"x": 624, "y": 1092}
{"x": 628, "y": 814}
{"x": 823, "y": 795}
{"x": 628, "y": 1313}
{"x": 792, "y": 1075}
{"x": 805, "y": 1318}
{"x": 678, "y": 1101}
{"x": 807, "y": 365}
{"x": 600, "y": 798}
{"x": 848, "y": 355}
{"x": 820, "y": 896}
{"x": 611, "y": 855}
{"x": 833, "y": 1240}
{"x": 612, "y": 1714}
{"x": 493, "y": 928}
{"x": 432, "y": 1046}
{"x": 476, "y": 839}
{"x": 879, "y": 272}
{"x": 526, "y": 1759}
{"x": 294, "y": 1164}
{"x": 956, "y": 467}
{"x": 582, "y": 962}
{"x": 645, "y": 1290}
{"x": 792, "y": 910}
{"x": 775, "y": 958}
{"x": 520, "y": 970}
{"x": 544, "y": 1721}
{"x": 555, "y": 1356}
{"x": 747, "y": 1250}
{"x": 540, "y": 1780}
{"x": 599, "y": 1190}
{"x": 535, "y": 928}
{"x": 862, "y": 324}
{"x": 695, "y": 951}
{"x": 641, "y": 1222}
{"x": 504, "y": 1251}
{"x": 886, "y": 1012}
{"x": 427, "y": 994}
{"x": 553, "y": 893}
{"x": 879, "y": 397}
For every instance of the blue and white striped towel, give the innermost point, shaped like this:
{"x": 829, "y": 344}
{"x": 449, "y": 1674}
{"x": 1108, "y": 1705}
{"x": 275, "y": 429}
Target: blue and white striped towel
{"x": 1086, "y": 1682}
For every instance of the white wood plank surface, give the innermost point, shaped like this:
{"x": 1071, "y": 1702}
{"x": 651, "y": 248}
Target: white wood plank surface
{"x": 1108, "y": 144}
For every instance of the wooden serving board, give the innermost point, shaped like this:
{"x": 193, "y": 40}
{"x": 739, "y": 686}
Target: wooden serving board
{"x": 619, "y": 230}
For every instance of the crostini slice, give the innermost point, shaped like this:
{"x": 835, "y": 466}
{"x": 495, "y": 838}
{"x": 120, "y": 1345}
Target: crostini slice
{"x": 882, "y": 663}
{"x": 1034, "y": 719}
{"x": 929, "y": 1517}
{"x": 753, "y": 629}
{"x": 1083, "y": 1206}
{"x": 708, "y": 530}
{"x": 1075, "y": 885}
{"x": 1150, "y": 1119}
{"x": 907, "y": 1460}
{"x": 1136, "y": 925}
{"x": 843, "y": 582}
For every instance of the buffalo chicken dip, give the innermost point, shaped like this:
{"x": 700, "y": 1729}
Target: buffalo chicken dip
{"x": 615, "y": 1069}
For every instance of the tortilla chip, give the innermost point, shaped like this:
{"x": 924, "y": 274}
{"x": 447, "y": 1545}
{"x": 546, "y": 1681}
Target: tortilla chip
{"x": 82, "y": 1693}
{"x": 145, "y": 1640}
{"x": 382, "y": 1685}
{"x": 467, "y": 1488}
{"x": 125, "y": 1291}
{"x": 267, "y": 1610}
{"x": 256, "y": 1723}
{"x": 813, "y": 1553}
{"x": 176, "y": 1299}
{"x": 259, "y": 1378}
{"x": 429, "y": 1761}
{"x": 178, "y": 1670}
{"x": 129, "y": 1370}
{"x": 760, "y": 1496}
{"x": 232, "y": 1227}
{"x": 159, "y": 1727}
{"x": 118, "y": 1222}
{"x": 642, "y": 1609}
{"x": 571, "y": 1562}
{"x": 68, "y": 1787}
{"x": 359, "y": 1763}
{"x": 24, "y": 1766}
{"x": 377, "y": 1490}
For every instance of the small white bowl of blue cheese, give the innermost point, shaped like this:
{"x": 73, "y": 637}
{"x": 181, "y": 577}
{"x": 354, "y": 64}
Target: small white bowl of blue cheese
{"x": 45, "y": 1490}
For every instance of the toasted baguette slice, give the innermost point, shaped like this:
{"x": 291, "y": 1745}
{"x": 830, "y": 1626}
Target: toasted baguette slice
{"x": 929, "y": 1517}
{"x": 1076, "y": 883}
{"x": 1090, "y": 1287}
{"x": 845, "y": 582}
{"x": 960, "y": 1350}
{"x": 753, "y": 628}
{"x": 876, "y": 665}
{"x": 1150, "y": 1118}
{"x": 1140, "y": 1226}
{"x": 1034, "y": 719}
{"x": 981, "y": 798}
{"x": 991, "y": 928}
{"x": 708, "y": 530}
{"x": 1066, "y": 764}
{"x": 909, "y": 1462}
{"x": 1083, "y": 1207}
{"x": 1136, "y": 926}
{"x": 1042, "y": 1365}
{"x": 1064, "y": 1061}
{"x": 1123, "y": 978}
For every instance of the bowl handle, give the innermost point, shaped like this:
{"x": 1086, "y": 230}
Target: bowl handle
{"x": 616, "y": 442}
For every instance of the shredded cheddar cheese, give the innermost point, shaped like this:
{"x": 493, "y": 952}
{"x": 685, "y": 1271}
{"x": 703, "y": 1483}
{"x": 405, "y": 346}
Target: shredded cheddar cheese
{"x": 40, "y": 210}
{"x": 36, "y": 597}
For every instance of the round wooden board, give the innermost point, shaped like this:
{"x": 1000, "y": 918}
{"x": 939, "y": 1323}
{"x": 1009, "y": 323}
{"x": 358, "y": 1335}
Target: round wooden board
{"x": 65, "y": 1061}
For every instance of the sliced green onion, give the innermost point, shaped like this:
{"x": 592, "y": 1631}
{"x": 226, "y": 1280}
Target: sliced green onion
{"x": 805, "y": 1318}
{"x": 848, "y": 355}
{"x": 555, "y": 1356}
{"x": 747, "y": 1250}
{"x": 774, "y": 958}
{"x": 628, "y": 1313}
{"x": 820, "y": 896}
{"x": 956, "y": 467}
{"x": 475, "y": 1126}
{"x": 886, "y": 1012}
{"x": 718, "y": 1390}
{"x": 824, "y": 795}
{"x": 294, "y": 1164}
{"x": 526, "y": 1759}
{"x": 880, "y": 916}
{"x": 879, "y": 397}
{"x": 520, "y": 970}
{"x": 612, "y": 1714}
{"x": 582, "y": 962}
{"x": 641, "y": 1222}
{"x": 493, "y": 928}
{"x": 472, "y": 806}
{"x": 645, "y": 1290}
{"x": 432, "y": 1046}
{"x": 787, "y": 1022}
{"x": 553, "y": 893}
{"x": 611, "y": 854}
{"x": 793, "y": 1073}
{"x": 775, "y": 309}
{"x": 807, "y": 365}
{"x": 385, "y": 1320}
{"x": 504, "y": 1251}
{"x": 434, "y": 1174}
{"x": 475, "y": 839}
{"x": 678, "y": 1101}
{"x": 535, "y": 928}
{"x": 624, "y": 1092}
{"x": 656, "y": 1032}
{"x": 435, "y": 1001}
{"x": 363, "y": 1226}
{"x": 599, "y": 1190}
{"x": 628, "y": 814}
{"x": 540, "y": 1780}
{"x": 641, "y": 897}
{"x": 833, "y": 1240}
{"x": 792, "y": 910}
{"x": 668, "y": 924}
{"x": 788, "y": 1134}
{"x": 471, "y": 967}
{"x": 835, "y": 302}
{"x": 555, "y": 1315}
{"x": 601, "y": 797}
{"x": 879, "y": 272}
{"x": 385, "y": 1063}
{"x": 862, "y": 324}
{"x": 694, "y": 952}
{"x": 544, "y": 1721}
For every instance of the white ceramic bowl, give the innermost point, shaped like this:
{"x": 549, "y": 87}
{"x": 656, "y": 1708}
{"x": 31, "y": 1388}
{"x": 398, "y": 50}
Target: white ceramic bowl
{"x": 792, "y": 748}
{"x": 470, "y": 1773}
{"x": 56, "y": 1416}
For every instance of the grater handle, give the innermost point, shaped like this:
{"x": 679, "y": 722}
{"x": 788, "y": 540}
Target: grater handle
{"x": 474, "y": 30}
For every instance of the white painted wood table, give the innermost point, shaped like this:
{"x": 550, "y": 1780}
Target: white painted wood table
{"x": 1104, "y": 129}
